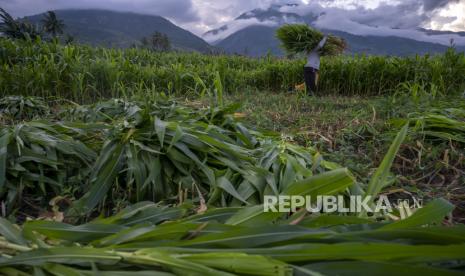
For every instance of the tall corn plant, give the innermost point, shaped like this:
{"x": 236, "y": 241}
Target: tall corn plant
{"x": 85, "y": 74}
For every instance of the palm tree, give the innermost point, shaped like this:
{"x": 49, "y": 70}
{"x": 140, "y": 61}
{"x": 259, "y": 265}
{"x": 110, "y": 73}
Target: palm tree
{"x": 9, "y": 27}
{"x": 17, "y": 29}
{"x": 52, "y": 24}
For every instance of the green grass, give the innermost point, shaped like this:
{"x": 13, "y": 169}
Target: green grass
{"x": 296, "y": 113}
{"x": 355, "y": 132}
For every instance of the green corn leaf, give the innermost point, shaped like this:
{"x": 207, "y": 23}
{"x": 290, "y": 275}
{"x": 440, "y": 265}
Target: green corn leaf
{"x": 4, "y": 141}
{"x": 216, "y": 214}
{"x": 363, "y": 252}
{"x": 82, "y": 233}
{"x": 378, "y": 180}
{"x": 159, "y": 235}
{"x": 154, "y": 257}
{"x": 10, "y": 271}
{"x": 143, "y": 212}
{"x": 62, "y": 270}
{"x": 253, "y": 215}
{"x": 327, "y": 183}
{"x": 432, "y": 213}
{"x": 160, "y": 128}
{"x": 153, "y": 215}
{"x": 178, "y": 134}
{"x": 64, "y": 255}
{"x": 326, "y": 220}
{"x": 413, "y": 235}
{"x": 371, "y": 268}
{"x": 125, "y": 235}
{"x": 254, "y": 237}
{"x": 240, "y": 263}
{"x": 227, "y": 186}
{"x": 127, "y": 212}
{"x": 11, "y": 233}
{"x": 106, "y": 170}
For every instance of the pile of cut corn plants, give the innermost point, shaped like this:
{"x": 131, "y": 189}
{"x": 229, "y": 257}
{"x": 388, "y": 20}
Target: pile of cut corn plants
{"x": 14, "y": 108}
{"x": 440, "y": 124}
{"x": 101, "y": 167}
{"x": 104, "y": 156}
{"x": 146, "y": 239}
{"x": 298, "y": 38}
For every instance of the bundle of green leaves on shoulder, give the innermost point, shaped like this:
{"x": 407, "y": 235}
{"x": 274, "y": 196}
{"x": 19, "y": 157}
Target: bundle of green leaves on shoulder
{"x": 298, "y": 38}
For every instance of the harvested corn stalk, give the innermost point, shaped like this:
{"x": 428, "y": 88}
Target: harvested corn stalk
{"x": 298, "y": 38}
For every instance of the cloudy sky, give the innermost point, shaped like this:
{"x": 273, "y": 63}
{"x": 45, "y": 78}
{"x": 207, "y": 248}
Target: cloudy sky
{"x": 200, "y": 16}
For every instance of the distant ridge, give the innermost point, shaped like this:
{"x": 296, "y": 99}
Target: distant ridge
{"x": 122, "y": 29}
{"x": 258, "y": 38}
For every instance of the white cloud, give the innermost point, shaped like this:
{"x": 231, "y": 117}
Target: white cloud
{"x": 215, "y": 13}
{"x": 200, "y": 16}
{"x": 387, "y": 19}
{"x": 451, "y": 18}
{"x": 235, "y": 26}
{"x": 346, "y": 24}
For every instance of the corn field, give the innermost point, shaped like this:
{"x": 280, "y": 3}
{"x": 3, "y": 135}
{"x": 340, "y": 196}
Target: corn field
{"x": 85, "y": 74}
{"x": 209, "y": 173}
{"x": 104, "y": 170}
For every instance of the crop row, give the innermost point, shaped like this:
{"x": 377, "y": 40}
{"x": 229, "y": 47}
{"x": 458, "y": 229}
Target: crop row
{"x": 84, "y": 74}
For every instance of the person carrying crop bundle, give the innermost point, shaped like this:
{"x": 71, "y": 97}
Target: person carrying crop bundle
{"x": 312, "y": 67}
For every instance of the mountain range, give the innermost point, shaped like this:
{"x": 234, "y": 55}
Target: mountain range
{"x": 258, "y": 38}
{"x": 123, "y": 29}
{"x": 251, "y": 33}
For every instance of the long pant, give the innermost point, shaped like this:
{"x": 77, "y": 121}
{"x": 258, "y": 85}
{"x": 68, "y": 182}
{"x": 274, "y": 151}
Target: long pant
{"x": 311, "y": 78}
